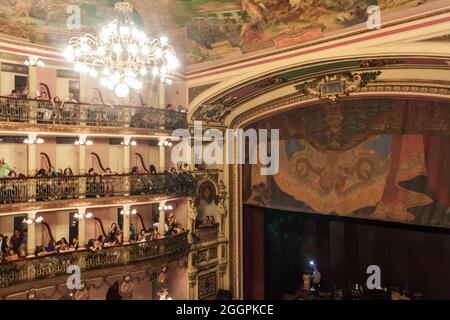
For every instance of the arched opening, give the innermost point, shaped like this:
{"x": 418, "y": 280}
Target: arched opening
{"x": 361, "y": 181}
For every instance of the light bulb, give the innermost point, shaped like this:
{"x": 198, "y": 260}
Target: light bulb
{"x": 104, "y": 82}
{"x": 122, "y": 90}
{"x": 124, "y": 31}
{"x": 93, "y": 73}
{"x": 89, "y": 143}
{"x": 133, "y": 143}
{"x": 89, "y": 215}
{"x": 155, "y": 71}
{"x": 117, "y": 48}
{"x": 163, "y": 40}
{"x": 106, "y": 71}
{"x": 143, "y": 71}
{"x": 134, "y": 211}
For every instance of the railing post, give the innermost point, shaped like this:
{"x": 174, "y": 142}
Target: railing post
{"x": 126, "y": 117}
{"x": 31, "y": 237}
{"x": 32, "y": 111}
{"x": 82, "y": 111}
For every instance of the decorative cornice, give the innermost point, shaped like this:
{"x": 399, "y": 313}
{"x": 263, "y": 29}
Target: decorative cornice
{"x": 88, "y": 202}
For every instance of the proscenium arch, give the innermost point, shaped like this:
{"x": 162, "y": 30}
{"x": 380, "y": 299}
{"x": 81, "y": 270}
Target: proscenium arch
{"x": 437, "y": 89}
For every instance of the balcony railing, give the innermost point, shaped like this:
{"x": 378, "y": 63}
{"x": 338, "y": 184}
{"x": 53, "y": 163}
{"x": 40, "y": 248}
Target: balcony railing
{"x": 208, "y": 234}
{"x": 16, "y": 190}
{"x": 57, "y": 264}
{"x": 47, "y": 112}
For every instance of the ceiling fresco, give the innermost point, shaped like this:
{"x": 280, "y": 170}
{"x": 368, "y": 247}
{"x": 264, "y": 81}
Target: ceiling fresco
{"x": 203, "y": 30}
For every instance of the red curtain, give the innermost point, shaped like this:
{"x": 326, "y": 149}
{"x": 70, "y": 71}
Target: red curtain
{"x": 253, "y": 232}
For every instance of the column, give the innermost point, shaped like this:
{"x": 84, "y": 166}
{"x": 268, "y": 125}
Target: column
{"x": 31, "y": 166}
{"x": 31, "y": 238}
{"x": 126, "y": 224}
{"x": 82, "y": 169}
{"x": 33, "y": 85}
{"x": 162, "y": 220}
{"x": 126, "y": 164}
{"x": 162, "y": 158}
{"x": 162, "y": 95}
{"x": 82, "y": 228}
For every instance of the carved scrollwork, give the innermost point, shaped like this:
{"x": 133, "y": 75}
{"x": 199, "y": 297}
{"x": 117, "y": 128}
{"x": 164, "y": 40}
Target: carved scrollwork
{"x": 334, "y": 86}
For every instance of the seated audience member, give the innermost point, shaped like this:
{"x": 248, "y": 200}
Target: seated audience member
{"x": 3, "y": 245}
{"x": 113, "y": 233}
{"x": 74, "y": 244}
{"x": 3, "y": 168}
{"x": 14, "y": 94}
{"x": 15, "y": 241}
{"x": 43, "y": 97}
{"x": 12, "y": 256}
{"x": 92, "y": 245}
{"x": 152, "y": 169}
{"x": 41, "y": 173}
{"x": 100, "y": 240}
{"x": 40, "y": 251}
{"x": 135, "y": 170}
{"x": 71, "y": 98}
{"x": 23, "y": 252}
{"x": 63, "y": 245}
{"x": 142, "y": 236}
{"x": 51, "y": 247}
{"x": 182, "y": 109}
{"x": 24, "y": 236}
{"x": 68, "y": 172}
{"x": 132, "y": 232}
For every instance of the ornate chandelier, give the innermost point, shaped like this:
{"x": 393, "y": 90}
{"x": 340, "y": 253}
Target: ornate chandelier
{"x": 124, "y": 53}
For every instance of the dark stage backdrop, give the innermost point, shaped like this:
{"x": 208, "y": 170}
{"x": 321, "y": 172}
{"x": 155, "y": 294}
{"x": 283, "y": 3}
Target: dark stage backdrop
{"x": 278, "y": 245}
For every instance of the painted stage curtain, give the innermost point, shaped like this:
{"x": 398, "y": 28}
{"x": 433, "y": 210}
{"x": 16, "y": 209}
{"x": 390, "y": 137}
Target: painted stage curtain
{"x": 384, "y": 159}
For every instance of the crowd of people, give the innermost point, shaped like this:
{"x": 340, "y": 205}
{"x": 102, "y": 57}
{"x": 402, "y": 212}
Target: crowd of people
{"x": 14, "y": 248}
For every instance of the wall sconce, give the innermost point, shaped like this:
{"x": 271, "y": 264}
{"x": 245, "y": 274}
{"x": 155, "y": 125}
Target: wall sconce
{"x": 83, "y": 141}
{"x": 165, "y": 143}
{"x": 33, "y": 140}
{"x": 38, "y": 219}
{"x": 166, "y": 207}
{"x": 80, "y": 216}
{"x": 34, "y": 62}
{"x": 127, "y": 212}
{"x": 129, "y": 143}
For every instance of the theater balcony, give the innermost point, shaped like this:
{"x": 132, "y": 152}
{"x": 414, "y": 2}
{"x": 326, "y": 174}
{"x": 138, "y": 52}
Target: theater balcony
{"x": 31, "y": 115}
{"x": 22, "y": 194}
{"x": 54, "y": 266}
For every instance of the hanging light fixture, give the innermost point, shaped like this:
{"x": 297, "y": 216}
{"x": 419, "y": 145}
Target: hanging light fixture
{"x": 123, "y": 52}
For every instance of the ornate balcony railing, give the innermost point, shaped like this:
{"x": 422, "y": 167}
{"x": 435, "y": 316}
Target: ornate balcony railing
{"x": 39, "y": 111}
{"x": 57, "y": 264}
{"x": 208, "y": 234}
{"x": 16, "y": 190}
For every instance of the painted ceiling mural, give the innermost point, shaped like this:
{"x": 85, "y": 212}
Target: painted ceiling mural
{"x": 204, "y": 30}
